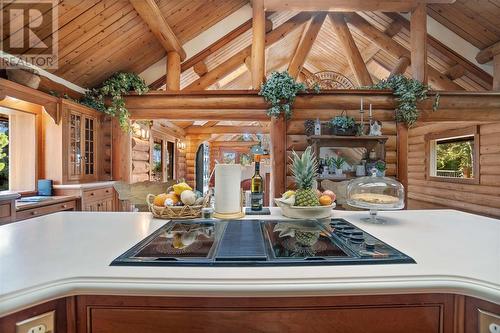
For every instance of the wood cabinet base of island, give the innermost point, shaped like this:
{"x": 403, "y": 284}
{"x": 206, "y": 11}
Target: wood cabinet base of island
{"x": 440, "y": 313}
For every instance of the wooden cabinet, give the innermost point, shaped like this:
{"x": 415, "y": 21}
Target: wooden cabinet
{"x": 78, "y": 149}
{"x": 423, "y": 313}
{"x": 7, "y": 211}
{"x": 45, "y": 208}
{"x": 82, "y": 148}
{"x": 415, "y": 313}
{"x": 98, "y": 199}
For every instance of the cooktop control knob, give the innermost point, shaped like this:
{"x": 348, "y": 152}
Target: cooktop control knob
{"x": 370, "y": 245}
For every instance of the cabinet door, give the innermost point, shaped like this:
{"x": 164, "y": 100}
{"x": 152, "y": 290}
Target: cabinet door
{"x": 108, "y": 205}
{"x": 89, "y": 147}
{"x": 75, "y": 146}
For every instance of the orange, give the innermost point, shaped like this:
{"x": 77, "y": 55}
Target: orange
{"x": 174, "y": 197}
{"x": 160, "y": 199}
{"x": 325, "y": 200}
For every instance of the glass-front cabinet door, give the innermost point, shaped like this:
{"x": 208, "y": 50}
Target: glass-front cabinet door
{"x": 82, "y": 147}
{"x": 75, "y": 145}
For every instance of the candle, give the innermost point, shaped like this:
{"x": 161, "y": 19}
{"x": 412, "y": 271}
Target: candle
{"x": 370, "y": 110}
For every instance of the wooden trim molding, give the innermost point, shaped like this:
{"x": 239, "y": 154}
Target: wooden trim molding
{"x": 466, "y": 131}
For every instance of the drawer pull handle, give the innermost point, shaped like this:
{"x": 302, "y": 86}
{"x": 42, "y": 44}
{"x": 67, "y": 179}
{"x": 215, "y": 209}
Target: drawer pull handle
{"x": 107, "y": 191}
{"x": 91, "y": 193}
{"x": 64, "y": 206}
{"x": 34, "y": 212}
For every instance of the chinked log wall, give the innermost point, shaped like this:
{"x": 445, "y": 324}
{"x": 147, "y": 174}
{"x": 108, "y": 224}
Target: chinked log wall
{"x": 482, "y": 198}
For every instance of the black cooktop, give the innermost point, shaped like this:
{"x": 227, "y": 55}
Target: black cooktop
{"x": 258, "y": 242}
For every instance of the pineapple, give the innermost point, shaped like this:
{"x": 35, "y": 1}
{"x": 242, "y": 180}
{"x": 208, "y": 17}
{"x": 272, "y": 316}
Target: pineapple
{"x": 304, "y": 169}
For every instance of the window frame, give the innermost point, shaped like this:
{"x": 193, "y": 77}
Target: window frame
{"x": 430, "y": 141}
{"x": 37, "y": 110}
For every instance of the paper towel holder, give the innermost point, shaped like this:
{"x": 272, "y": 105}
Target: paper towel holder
{"x": 232, "y": 216}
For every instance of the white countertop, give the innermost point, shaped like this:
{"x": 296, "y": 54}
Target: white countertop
{"x": 69, "y": 253}
{"x": 85, "y": 186}
{"x": 8, "y": 195}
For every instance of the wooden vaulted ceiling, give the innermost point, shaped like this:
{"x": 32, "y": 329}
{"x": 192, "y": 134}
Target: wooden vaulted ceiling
{"x": 100, "y": 37}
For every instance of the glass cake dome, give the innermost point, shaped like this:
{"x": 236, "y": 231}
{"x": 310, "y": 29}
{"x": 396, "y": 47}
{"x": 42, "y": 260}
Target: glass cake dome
{"x": 375, "y": 193}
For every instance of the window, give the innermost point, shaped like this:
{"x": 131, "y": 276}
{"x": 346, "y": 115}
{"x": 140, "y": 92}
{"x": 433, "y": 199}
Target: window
{"x": 157, "y": 167}
{"x": 453, "y": 155}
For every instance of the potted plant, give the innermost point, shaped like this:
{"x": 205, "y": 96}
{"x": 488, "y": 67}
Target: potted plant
{"x": 380, "y": 166}
{"x": 343, "y": 125}
{"x": 338, "y": 162}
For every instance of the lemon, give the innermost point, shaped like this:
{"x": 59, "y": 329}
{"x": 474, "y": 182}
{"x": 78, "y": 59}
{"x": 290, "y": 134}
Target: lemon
{"x": 181, "y": 187}
{"x": 288, "y": 194}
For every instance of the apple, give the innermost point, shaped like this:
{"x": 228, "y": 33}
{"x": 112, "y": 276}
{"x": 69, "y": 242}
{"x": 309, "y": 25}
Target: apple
{"x": 330, "y": 194}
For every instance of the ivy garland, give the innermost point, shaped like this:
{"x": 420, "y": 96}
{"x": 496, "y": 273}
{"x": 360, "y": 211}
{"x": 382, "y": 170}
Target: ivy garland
{"x": 408, "y": 93}
{"x": 114, "y": 88}
{"x": 280, "y": 90}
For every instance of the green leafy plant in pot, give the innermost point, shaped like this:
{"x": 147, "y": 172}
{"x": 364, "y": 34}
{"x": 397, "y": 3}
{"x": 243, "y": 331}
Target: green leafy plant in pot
{"x": 343, "y": 125}
{"x": 280, "y": 90}
{"x": 380, "y": 167}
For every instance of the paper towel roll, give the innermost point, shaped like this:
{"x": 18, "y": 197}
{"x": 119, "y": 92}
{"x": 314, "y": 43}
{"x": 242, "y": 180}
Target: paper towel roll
{"x": 227, "y": 188}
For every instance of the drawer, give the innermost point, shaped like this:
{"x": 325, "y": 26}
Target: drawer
{"x": 91, "y": 195}
{"x": 5, "y": 210}
{"x": 44, "y": 210}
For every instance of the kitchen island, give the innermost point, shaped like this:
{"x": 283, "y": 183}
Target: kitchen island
{"x": 68, "y": 254}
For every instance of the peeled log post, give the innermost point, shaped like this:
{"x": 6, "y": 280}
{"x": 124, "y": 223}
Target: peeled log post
{"x": 141, "y": 145}
{"x": 278, "y": 157}
{"x": 496, "y": 72}
{"x": 418, "y": 43}
{"x": 258, "y": 43}
{"x": 173, "y": 71}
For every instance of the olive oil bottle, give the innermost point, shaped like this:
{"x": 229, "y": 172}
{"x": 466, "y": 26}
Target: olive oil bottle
{"x": 257, "y": 195}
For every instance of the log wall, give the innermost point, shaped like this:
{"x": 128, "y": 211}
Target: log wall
{"x": 482, "y": 198}
{"x": 140, "y": 160}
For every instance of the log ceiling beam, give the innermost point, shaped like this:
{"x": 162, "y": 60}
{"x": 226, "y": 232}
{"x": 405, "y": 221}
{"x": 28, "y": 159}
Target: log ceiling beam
{"x": 200, "y": 68}
{"x": 212, "y": 48}
{"x": 258, "y": 48}
{"x": 418, "y": 43}
{"x": 227, "y": 130}
{"x": 210, "y": 123}
{"x": 305, "y": 45}
{"x": 455, "y": 72}
{"x": 151, "y": 14}
{"x": 443, "y": 49}
{"x": 392, "y": 47}
{"x": 496, "y": 72}
{"x": 348, "y": 5}
{"x": 401, "y": 66}
{"x": 238, "y": 59}
{"x": 488, "y": 53}
{"x": 354, "y": 58}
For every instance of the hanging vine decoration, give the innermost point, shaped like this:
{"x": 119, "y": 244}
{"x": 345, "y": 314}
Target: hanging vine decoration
{"x": 408, "y": 93}
{"x": 114, "y": 88}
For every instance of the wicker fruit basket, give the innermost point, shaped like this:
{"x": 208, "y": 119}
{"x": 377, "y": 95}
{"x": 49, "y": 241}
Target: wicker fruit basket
{"x": 176, "y": 212}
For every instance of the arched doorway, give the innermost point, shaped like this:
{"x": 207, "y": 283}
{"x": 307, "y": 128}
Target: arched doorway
{"x": 202, "y": 166}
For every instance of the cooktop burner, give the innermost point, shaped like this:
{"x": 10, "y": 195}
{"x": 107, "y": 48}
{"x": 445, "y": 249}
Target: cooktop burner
{"x": 257, "y": 242}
